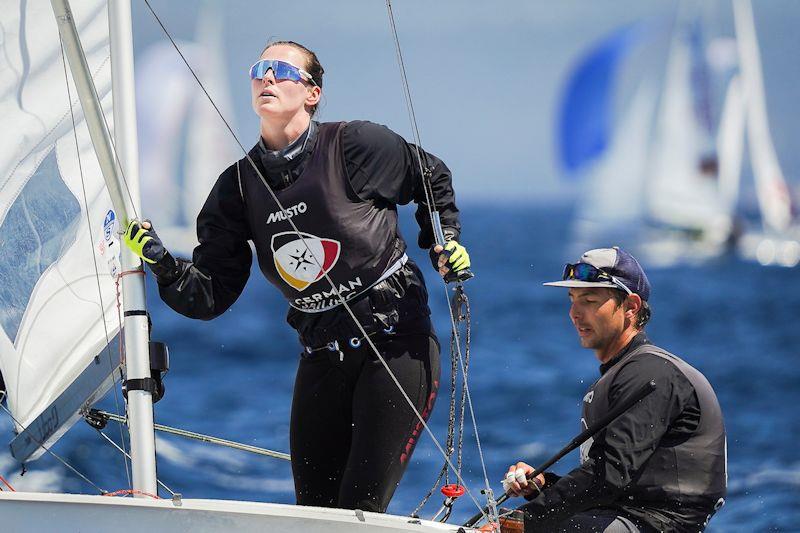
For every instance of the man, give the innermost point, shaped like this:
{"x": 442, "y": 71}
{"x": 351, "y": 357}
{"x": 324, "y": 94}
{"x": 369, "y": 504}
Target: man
{"x": 660, "y": 466}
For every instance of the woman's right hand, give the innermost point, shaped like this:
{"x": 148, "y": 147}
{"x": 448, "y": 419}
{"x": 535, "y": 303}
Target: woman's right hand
{"x": 516, "y": 482}
{"x": 141, "y": 238}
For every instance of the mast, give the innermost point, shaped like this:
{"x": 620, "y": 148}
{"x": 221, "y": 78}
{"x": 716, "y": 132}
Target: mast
{"x": 137, "y": 360}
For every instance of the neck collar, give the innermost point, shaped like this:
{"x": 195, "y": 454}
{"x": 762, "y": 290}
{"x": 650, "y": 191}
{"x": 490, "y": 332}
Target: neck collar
{"x": 287, "y": 159}
{"x": 639, "y": 339}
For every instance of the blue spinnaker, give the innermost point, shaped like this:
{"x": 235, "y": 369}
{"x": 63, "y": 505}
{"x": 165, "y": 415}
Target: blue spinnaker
{"x": 585, "y": 121}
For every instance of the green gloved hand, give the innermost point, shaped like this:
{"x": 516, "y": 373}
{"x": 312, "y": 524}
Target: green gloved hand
{"x": 450, "y": 259}
{"x": 142, "y": 239}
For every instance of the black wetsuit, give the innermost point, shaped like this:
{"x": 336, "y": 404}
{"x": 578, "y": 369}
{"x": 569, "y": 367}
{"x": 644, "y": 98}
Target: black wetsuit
{"x": 660, "y": 466}
{"x": 351, "y": 432}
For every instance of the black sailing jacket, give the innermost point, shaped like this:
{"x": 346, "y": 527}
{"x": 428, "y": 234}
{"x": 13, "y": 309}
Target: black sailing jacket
{"x": 662, "y": 462}
{"x": 382, "y": 169}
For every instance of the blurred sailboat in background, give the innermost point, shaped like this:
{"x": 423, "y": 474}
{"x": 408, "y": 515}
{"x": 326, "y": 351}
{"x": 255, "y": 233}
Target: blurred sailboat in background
{"x": 609, "y": 158}
{"x": 777, "y": 242}
{"x": 183, "y": 143}
{"x": 689, "y": 211}
{"x": 664, "y": 179}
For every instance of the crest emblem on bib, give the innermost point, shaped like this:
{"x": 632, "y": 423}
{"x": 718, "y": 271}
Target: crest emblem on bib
{"x": 301, "y": 262}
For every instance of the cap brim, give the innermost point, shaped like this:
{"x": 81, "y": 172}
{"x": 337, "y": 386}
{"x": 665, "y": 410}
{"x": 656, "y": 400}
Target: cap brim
{"x": 578, "y": 283}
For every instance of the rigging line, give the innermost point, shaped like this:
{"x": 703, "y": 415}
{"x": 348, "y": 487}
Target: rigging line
{"x": 471, "y": 409}
{"x": 94, "y": 257}
{"x": 450, "y": 442}
{"x": 205, "y": 438}
{"x": 123, "y": 452}
{"x": 318, "y": 263}
{"x": 54, "y": 454}
{"x": 467, "y": 338}
{"x": 426, "y": 185}
{"x": 344, "y": 303}
{"x": 431, "y": 208}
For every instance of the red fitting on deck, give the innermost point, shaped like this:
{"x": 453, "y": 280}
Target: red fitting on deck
{"x": 453, "y": 490}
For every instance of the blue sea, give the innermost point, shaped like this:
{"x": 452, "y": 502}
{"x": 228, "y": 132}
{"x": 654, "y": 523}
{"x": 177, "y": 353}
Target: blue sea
{"x": 233, "y": 377}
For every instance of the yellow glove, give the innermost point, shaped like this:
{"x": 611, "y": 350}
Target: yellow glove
{"x": 141, "y": 238}
{"x": 450, "y": 260}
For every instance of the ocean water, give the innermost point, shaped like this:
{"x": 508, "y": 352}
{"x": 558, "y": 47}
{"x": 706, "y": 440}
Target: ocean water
{"x": 233, "y": 377}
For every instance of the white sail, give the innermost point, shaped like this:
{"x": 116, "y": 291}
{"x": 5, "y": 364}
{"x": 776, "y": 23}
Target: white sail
{"x": 778, "y": 241}
{"x": 730, "y": 144}
{"x": 773, "y": 194}
{"x": 611, "y": 199}
{"x": 58, "y": 232}
{"x": 682, "y": 194}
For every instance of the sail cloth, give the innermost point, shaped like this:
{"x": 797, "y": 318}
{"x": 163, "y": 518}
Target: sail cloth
{"x": 586, "y": 118}
{"x": 683, "y": 191}
{"x": 58, "y": 232}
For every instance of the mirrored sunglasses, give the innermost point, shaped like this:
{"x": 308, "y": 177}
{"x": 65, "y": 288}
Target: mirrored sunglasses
{"x": 281, "y": 70}
{"x": 587, "y": 272}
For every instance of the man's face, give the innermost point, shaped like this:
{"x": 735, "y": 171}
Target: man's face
{"x": 598, "y": 319}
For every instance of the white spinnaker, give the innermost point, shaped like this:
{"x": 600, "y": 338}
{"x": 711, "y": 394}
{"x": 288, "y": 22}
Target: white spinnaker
{"x": 57, "y": 226}
{"x": 611, "y": 200}
{"x": 679, "y": 193}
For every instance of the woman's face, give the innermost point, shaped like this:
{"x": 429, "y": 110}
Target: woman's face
{"x": 282, "y": 98}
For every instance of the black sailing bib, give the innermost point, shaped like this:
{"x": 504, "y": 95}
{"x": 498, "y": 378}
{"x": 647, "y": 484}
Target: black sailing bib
{"x": 693, "y": 467}
{"x": 350, "y": 240}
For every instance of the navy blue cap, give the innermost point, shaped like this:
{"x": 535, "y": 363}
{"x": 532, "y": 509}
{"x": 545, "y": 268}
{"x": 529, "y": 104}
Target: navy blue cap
{"x": 615, "y": 262}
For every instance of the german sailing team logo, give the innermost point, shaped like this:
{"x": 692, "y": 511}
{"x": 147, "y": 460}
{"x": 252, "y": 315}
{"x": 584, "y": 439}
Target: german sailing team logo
{"x": 301, "y": 262}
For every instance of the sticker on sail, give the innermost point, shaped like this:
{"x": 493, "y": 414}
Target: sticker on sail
{"x": 301, "y": 262}
{"x": 109, "y": 225}
{"x": 108, "y": 245}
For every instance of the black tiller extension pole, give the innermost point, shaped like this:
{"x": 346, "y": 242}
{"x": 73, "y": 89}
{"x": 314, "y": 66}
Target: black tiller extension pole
{"x": 584, "y": 435}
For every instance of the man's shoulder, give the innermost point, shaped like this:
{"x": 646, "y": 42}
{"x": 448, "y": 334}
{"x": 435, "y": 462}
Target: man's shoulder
{"x": 652, "y": 363}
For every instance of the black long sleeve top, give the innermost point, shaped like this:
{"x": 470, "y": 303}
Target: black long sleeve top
{"x": 670, "y": 413}
{"x": 381, "y": 166}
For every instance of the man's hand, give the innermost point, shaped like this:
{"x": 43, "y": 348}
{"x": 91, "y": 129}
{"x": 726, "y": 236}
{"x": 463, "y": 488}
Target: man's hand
{"x": 142, "y": 239}
{"x": 516, "y": 482}
{"x": 450, "y": 259}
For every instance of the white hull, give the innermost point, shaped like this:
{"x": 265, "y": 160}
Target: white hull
{"x": 771, "y": 248}
{"x": 72, "y": 513}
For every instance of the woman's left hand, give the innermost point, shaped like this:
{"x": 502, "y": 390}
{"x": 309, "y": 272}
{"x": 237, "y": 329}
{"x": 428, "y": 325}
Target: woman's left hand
{"x": 452, "y": 257}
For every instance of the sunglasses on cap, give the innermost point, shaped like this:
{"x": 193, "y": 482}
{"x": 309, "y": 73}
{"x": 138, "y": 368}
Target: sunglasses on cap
{"x": 587, "y": 272}
{"x": 281, "y": 70}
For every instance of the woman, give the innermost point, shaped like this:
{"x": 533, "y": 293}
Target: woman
{"x": 352, "y": 432}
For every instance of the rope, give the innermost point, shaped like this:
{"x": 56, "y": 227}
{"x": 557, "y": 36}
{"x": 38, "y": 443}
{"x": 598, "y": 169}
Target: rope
{"x": 460, "y": 301}
{"x": 109, "y": 439}
{"x": 314, "y": 257}
{"x": 424, "y": 171}
{"x": 51, "y": 452}
{"x": 7, "y": 484}
{"x": 94, "y": 257}
{"x": 129, "y": 492}
{"x": 431, "y": 210}
{"x": 463, "y": 303}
